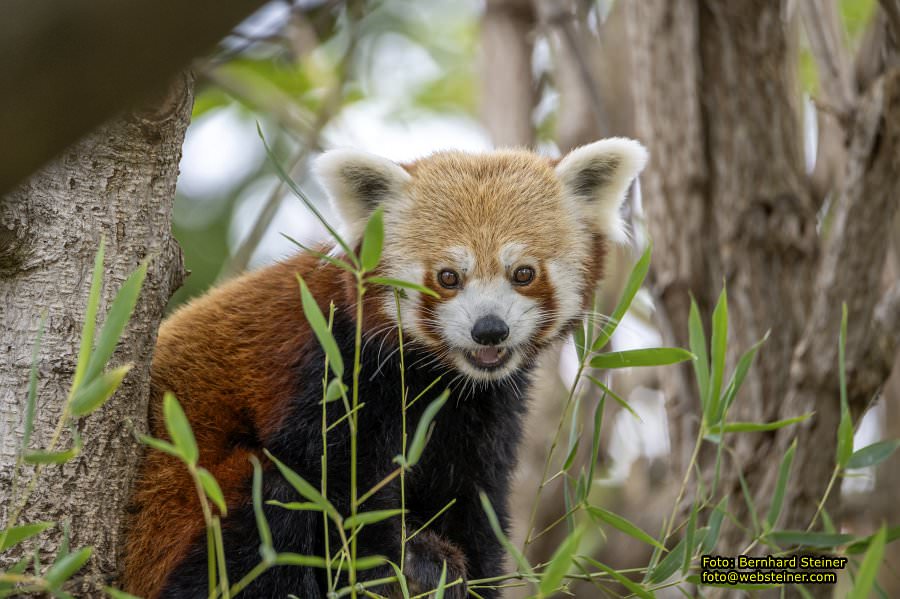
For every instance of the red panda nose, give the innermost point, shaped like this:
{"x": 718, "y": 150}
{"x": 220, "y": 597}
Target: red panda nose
{"x": 489, "y": 330}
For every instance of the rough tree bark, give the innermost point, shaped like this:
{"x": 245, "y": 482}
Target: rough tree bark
{"x": 118, "y": 182}
{"x": 728, "y": 199}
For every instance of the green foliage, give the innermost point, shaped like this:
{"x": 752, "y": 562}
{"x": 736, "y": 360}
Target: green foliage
{"x": 93, "y": 384}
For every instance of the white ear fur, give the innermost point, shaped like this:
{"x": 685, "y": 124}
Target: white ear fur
{"x": 357, "y": 182}
{"x": 599, "y": 175}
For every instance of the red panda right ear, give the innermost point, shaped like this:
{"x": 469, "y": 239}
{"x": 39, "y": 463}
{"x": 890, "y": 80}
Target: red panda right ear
{"x": 357, "y": 183}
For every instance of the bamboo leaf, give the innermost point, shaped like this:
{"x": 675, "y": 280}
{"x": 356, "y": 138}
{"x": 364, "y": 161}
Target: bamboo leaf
{"x": 737, "y": 379}
{"x": 320, "y": 327}
{"x": 891, "y": 534}
{"x": 713, "y": 527}
{"x": 301, "y": 506}
{"x": 624, "y": 525}
{"x": 363, "y": 518}
{"x": 626, "y": 582}
{"x": 67, "y": 566}
{"x": 180, "y": 429}
{"x": 417, "y": 446}
{"x": 753, "y": 427}
{"x": 401, "y": 579}
{"x": 697, "y": 342}
{"x": 17, "y": 534}
{"x": 868, "y": 569}
{"x": 117, "y": 594}
{"x": 560, "y": 563}
{"x": 161, "y": 445}
{"x": 689, "y": 539}
{"x": 845, "y": 427}
{"x": 324, "y": 257}
{"x": 286, "y": 179}
{"x": 97, "y": 391}
{"x": 118, "y": 316}
{"x": 718, "y": 348}
{"x": 373, "y": 241}
{"x": 635, "y": 280}
{"x": 295, "y": 559}
{"x": 873, "y": 454}
{"x": 402, "y": 284}
{"x": 655, "y": 356}
{"x": 305, "y": 489}
{"x": 616, "y": 397}
{"x": 212, "y": 489}
{"x": 51, "y": 457}
{"x": 90, "y": 316}
{"x": 335, "y": 390}
{"x": 524, "y": 568}
{"x": 266, "y": 550}
{"x": 442, "y": 583}
{"x": 784, "y": 472}
{"x": 595, "y": 438}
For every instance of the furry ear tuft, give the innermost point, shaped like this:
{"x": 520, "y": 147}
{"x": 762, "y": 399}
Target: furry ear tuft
{"x": 598, "y": 175}
{"x": 357, "y": 183}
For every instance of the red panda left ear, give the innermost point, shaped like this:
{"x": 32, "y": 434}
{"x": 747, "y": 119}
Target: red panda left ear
{"x": 598, "y": 176}
{"x": 357, "y": 183}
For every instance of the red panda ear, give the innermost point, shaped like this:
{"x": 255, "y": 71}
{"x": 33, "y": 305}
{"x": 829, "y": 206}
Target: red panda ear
{"x": 598, "y": 176}
{"x": 357, "y": 183}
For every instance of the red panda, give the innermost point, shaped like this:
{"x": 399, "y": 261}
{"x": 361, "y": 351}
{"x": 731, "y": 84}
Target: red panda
{"x": 512, "y": 244}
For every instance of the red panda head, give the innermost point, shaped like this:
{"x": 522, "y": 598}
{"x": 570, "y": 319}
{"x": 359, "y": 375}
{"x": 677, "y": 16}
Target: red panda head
{"x": 512, "y": 244}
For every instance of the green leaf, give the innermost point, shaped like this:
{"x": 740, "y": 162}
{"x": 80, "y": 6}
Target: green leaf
{"x": 118, "y": 316}
{"x": 579, "y": 338}
{"x": 324, "y": 257}
{"x": 421, "y": 435}
{"x": 402, "y": 284}
{"x": 635, "y": 280}
{"x": 160, "y": 445}
{"x": 845, "y": 427}
{"x": 560, "y": 563}
{"x": 320, "y": 327}
{"x": 180, "y": 429}
{"x": 212, "y": 489}
{"x": 868, "y": 569}
{"x": 737, "y": 379}
{"x": 748, "y": 500}
{"x": 713, "y": 527}
{"x": 655, "y": 356}
{"x": 573, "y": 451}
{"x": 624, "y": 525}
{"x": 401, "y": 579}
{"x": 117, "y": 594}
{"x": 719, "y": 349}
{"x": 861, "y": 545}
{"x": 335, "y": 390}
{"x": 524, "y": 568}
{"x": 669, "y": 564}
{"x": 595, "y": 438}
{"x": 90, "y": 316}
{"x": 363, "y": 518}
{"x": 689, "y": 539}
{"x": 697, "y": 342}
{"x": 67, "y": 566}
{"x": 618, "y": 399}
{"x": 753, "y": 427}
{"x": 636, "y": 589}
{"x": 366, "y": 563}
{"x": 873, "y": 454}
{"x": 300, "y": 506}
{"x": 262, "y": 525}
{"x": 17, "y": 534}
{"x": 442, "y": 583}
{"x": 808, "y": 539}
{"x": 97, "y": 391}
{"x": 286, "y": 179}
{"x": 373, "y": 240}
{"x": 51, "y": 457}
{"x": 784, "y": 472}
{"x": 305, "y": 489}
{"x": 31, "y": 403}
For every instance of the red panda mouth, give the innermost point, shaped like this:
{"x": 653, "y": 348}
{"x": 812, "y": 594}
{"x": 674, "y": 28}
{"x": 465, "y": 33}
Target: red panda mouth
{"x": 489, "y": 358}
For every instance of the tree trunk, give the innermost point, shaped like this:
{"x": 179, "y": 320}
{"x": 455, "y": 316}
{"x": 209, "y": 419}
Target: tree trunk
{"x": 118, "y": 182}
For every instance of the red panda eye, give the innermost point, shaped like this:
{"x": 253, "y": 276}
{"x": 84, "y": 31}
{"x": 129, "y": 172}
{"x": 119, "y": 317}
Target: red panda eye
{"x": 523, "y": 275}
{"x": 448, "y": 279}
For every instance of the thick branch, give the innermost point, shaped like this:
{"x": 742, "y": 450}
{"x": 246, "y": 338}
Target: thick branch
{"x": 69, "y": 66}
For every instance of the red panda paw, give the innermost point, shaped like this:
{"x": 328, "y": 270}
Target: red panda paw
{"x": 425, "y": 558}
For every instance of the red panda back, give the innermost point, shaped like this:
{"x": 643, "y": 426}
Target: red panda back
{"x": 230, "y": 358}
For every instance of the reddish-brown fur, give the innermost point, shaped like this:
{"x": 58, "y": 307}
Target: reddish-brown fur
{"x": 234, "y": 352}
